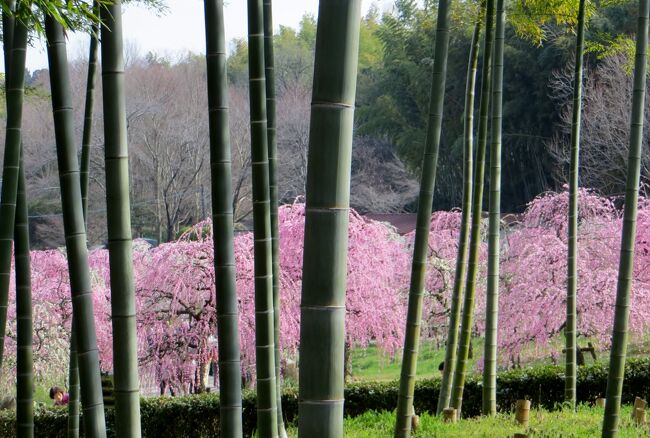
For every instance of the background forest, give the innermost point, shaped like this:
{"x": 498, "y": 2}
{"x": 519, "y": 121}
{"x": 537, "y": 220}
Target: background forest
{"x": 168, "y": 126}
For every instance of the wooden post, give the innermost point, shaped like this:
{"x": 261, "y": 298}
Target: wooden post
{"x": 522, "y": 412}
{"x": 522, "y": 435}
{"x": 415, "y": 422}
{"x": 449, "y": 415}
{"x": 600, "y": 402}
{"x": 639, "y": 410}
{"x": 640, "y": 416}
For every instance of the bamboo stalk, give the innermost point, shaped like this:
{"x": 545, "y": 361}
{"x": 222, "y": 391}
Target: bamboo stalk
{"x": 267, "y": 415}
{"x": 626, "y": 264}
{"x": 269, "y": 73}
{"x": 73, "y": 376}
{"x": 230, "y": 406}
{"x": 24, "y": 327}
{"x": 492, "y": 304}
{"x": 322, "y": 307}
{"x": 120, "y": 251}
{"x": 425, "y": 202}
{"x": 572, "y": 275}
{"x": 477, "y": 202}
{"x": 75, "y": 232}
{"x": 461, "y": 259}
{"x": 14, "y": 98}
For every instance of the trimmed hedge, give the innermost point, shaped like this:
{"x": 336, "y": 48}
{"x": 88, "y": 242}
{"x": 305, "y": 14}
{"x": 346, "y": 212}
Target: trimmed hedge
{"x": 198, "y": 415}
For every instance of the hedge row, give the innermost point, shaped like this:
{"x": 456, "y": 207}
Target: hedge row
{"x": 198, "y": 415}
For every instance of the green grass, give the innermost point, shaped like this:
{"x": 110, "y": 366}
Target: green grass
{"x": 372, "y": 364}
{"x": 585, "y": 422}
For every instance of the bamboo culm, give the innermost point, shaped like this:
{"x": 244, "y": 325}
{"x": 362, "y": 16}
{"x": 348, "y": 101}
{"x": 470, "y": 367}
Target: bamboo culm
{"x": 24, "y": 326}
{"x": 477, "y": 202}
{"x": 73, "y": 376}
{"x": 75, "y": 232}
{"x": 14, "y": 99}
{"x": 425, "y": 202}
{"x": 492, "y": 304}
{"x": 461, "y": 259}
{"x": 269, "y": 74}
{"x": 120, "y": 244}
{"x": 322, "y": 306}
{"x": 626, "y": 264}
{"x": 230, "y": 406}
{"x": 267, "y": 415}
{"x": 572, "y": 267}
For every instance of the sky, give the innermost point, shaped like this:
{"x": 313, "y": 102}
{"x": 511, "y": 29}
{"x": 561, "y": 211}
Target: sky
{"x": 182, "y": 27}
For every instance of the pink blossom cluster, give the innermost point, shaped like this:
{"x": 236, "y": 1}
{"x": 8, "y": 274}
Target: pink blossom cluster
{"x": 176, "y": 297}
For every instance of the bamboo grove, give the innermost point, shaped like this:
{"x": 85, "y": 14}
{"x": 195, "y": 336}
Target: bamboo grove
{"x": 322, "y": 347}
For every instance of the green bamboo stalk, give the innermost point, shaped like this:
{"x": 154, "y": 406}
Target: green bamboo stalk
{"x": 230, "y": 406}
{"x": 120, "y": 251}
{"x": 75, "y": 232}
{"x": 269, "y": 72}
{"x": 461, "y": 259}
{"x": 322, "y": 307}
{"x": 73, "y": 377}
{"x": 14, "y": 96}
{"x": 73, "y": 386}
{"x": 88, "y": 112}
{"x": 626, "y": 264}
{"x": 477, "y": 202}
{"x": 267, "y": 415}
{"x": 572, "y": 275}
{"x": 492, "y": 304}
{"x": 427, "y": 185}
{"x": 24, "y": 329}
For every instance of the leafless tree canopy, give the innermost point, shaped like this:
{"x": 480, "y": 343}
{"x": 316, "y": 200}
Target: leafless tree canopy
{"x": 604, "y": 144}
{"x": 169, "y": 150}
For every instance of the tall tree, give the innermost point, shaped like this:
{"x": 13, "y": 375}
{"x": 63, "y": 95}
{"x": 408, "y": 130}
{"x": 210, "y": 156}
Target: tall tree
{"x": 230, "y": 406}
{"x": 425, "y": 202}
{"x": 73, "y": 376}
{"x": 626, "y": 264}
{"x": 24, "y": 325}
{"x": 572, "y": 266}
{"x": 322, "y": 308}
{"x": 461, "y": 259}
{"x": 120, "y": 251}
{"x": 477, "y": 203}
{"x": 267, "y": 415}
{"x": 24, "y": 328}
{"x": 269, "y": 72}
{"x": 492, "y": 304}
{"x": 75, "y": 232}
{"x": 14, "y": 97}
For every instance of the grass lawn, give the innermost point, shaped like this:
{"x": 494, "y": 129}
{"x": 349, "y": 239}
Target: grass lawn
{"x": 585, "y": 422}
{"x": 372, "y": 364}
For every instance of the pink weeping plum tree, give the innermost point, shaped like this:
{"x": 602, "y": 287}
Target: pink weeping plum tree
{"x": 176, "y": 296}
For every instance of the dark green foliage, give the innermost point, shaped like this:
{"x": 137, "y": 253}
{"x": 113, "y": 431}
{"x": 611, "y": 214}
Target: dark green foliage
{"x": 198, "y": 415}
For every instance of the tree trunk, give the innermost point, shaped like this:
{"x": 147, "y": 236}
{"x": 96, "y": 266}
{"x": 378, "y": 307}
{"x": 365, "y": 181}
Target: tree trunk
{"x": 269, "y": 72}
{"x": 572, "y": 274}
{"x": 267, "y": 415}
{"x": 322, "y": 311}
{"x": 24, "y": 329}
{"x": 425, "y": 201}
{"x": 230, "y": 406}
{"x": 120, "y": 251}
{"x": 75, "y": 233}
{"x": 14, "y": 98}
{"x": 475, "y": 233}
{"x": 73, "y": 375}
{"x": 626, "y": 265}
{"x": 461, "y": 259}
{"x": 492, "y": 304}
